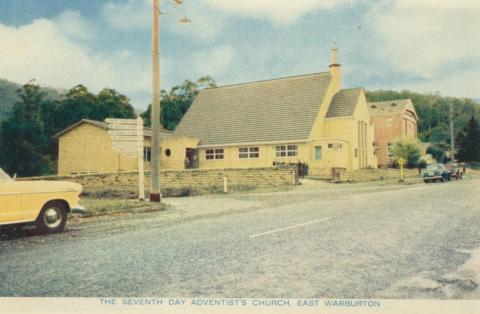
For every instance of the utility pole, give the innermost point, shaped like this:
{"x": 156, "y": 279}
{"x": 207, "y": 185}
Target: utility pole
{"x": 452, "y": 134}
{"x": 155, "y": 112}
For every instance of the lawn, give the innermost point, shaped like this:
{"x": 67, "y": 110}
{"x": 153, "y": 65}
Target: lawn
{"x": 106, "y": 206}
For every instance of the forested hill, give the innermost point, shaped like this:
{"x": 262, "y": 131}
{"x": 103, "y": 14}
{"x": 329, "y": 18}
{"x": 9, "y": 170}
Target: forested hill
{"x": 433, "y": 111}
{"x": 8, "y": 96}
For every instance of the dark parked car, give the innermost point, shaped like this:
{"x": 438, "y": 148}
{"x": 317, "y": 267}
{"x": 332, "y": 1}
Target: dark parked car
{"x": 456, "y": 170}
{"x": 436, "y": 172}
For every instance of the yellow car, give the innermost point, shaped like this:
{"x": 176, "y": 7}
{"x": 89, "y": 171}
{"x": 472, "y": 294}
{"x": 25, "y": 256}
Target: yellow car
{"x": 44, "y": 203}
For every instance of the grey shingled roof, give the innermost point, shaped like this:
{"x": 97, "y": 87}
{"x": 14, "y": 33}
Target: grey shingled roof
{"x": 344, "y": 103}
{"x": 274, "y": 110}
{"x": 389, "y": 107}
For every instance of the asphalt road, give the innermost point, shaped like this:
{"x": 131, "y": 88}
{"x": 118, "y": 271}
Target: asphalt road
{"x": 418, "y": 241}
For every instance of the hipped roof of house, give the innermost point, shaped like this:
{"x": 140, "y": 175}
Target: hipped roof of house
{"x": 398, "y": 106}
{"x": 146, "y": 131}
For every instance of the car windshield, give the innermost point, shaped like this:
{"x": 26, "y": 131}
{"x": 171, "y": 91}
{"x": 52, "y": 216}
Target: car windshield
{"x": 434, "y": 167}
{"x": 4, "y": 177}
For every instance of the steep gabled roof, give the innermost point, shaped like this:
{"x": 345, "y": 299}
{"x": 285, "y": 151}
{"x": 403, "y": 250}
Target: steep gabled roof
{"x": 398, "y": 106}
{"x": 99, "y": 124}
{"x": 147, "y": 131}
{"x": 344, "y": 103}
{"x": 265, "y": 111}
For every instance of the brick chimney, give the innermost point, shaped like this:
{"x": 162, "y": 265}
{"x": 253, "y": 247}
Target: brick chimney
{"x": 335, "y": 70}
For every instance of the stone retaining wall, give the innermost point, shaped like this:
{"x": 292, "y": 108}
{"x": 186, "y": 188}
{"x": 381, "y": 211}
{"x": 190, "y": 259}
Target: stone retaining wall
{"x": 376, "y": 174}
{"x": 363, "y": 175}
{"x": 198, "y": 179}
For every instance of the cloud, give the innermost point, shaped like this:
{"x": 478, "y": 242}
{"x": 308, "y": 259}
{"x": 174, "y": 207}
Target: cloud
{"x": 46, "y": 51}
{"x": 128, "y": 15}
{"x": 461, "y": 84}
{"x": 206, "y": 24}
{"x": 422, "y": 37}
{"x": 134, "y": 15}
{"x": 282, "y": 12}
{"x": 73, "y": 25}
{"x": 215, "y": 61}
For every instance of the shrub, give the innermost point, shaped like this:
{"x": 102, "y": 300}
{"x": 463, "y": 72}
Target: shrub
{"x": 180, "y": 192}
{"x": 407, "y": 149}
{"x": 474, "y": 165}
{"x": 243, "y": 187}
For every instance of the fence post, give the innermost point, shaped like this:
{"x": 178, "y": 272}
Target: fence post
{"x": 225, "y": 185}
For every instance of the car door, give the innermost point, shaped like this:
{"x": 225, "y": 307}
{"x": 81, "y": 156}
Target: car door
{"x": 10, "y": 203}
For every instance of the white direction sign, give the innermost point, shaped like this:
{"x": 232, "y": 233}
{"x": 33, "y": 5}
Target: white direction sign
{"x": 122, "y": 126}
{"x": 127, "y": 139}
{"x": 121, "y": 121}
{"x": 132, "y": 132}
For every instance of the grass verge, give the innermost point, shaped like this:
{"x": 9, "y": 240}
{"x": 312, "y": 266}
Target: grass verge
{"x": 131, "y": 195}
{"x": 109, "y": 206}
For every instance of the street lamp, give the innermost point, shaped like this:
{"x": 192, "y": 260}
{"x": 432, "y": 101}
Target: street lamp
{"x": 155, "y": 195}
{"x": 155, "y": 112}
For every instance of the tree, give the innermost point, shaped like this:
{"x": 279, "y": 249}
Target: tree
{"x": 80, "y": 104}
{"x": 112, "y": 104}
{"x": 23, "y": 138}
{"x": 438, "y": 151}
{"x": 407, "y": 149}
{"x": 26, "y": 136}
{"x": 176, "y": 102}
{"x": 469, "y": 142}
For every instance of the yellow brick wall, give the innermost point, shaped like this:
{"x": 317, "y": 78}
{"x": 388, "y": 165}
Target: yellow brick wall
{"x": 344, "y": 130}
{"x": 337, "y": 131}
{"x": 362, "y": 114}
{"x": 88, "y": 148}
{"x": 177, "y": 146}
{"x": 267, "y": 156}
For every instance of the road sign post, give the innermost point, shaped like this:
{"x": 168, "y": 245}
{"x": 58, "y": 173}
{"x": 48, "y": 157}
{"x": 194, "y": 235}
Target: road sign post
{"x": 127, "y": 140}
{"x": 401, "y": 162}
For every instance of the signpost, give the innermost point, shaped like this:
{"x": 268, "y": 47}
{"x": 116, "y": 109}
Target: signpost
{"x": 401, "y": 162}
{"x": 127, "y": 139}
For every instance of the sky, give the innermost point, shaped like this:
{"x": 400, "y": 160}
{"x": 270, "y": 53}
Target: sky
{"x": 428, "y": 46}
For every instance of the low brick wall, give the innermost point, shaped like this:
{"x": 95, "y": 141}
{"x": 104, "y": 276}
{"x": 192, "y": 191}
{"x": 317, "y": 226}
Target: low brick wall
{"x": 376, "y": 174}
{"x": 198, "y": 179}
{"x": 363, "y": 175}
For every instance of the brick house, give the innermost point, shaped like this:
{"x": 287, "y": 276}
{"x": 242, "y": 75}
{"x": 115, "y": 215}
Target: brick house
{"x": 86, "y": 147}
{"x": 392, "y": 121}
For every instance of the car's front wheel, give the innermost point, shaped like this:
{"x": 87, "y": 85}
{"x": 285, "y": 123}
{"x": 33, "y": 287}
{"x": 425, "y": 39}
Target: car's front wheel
{"x": 52, "y": 218}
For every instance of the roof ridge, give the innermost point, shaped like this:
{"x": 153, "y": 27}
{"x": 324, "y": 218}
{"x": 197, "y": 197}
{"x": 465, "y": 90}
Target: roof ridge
{"x": 352, "y": 88}
{"x": 389, "y": 101}
{"x": 90, "y": 120}
{"x": 266, "y": 80}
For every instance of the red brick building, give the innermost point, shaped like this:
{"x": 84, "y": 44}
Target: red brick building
{"x": 392, "y": 121}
